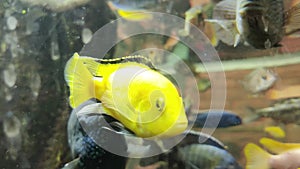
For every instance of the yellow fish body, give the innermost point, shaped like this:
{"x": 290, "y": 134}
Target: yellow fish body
{"x": 284, "y": 155}
{"x": 131, "y": 91}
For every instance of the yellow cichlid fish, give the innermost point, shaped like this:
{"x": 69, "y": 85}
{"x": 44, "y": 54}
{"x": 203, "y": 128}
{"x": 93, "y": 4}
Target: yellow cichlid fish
{"x": 286, "y": 155}
{"x": 131, "y": 90}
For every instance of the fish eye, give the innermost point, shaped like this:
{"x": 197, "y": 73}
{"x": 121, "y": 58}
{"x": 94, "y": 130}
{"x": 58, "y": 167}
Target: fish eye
{"x": 264, "y": 77}
{"x": 160, "y": 104}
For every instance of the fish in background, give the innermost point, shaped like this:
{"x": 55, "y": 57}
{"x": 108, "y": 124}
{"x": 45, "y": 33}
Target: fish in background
{"x": 227, "y": 119}
{"x": 196, "y": 156}
{"x": 286, "y": 155}
{"x": 191, "y": 153}
{"x": 275, "y": 131}
{"x": 137, "y": 10}
{"x": 259, "y": 80}
{"x": 283, "y": 111}
{"x": 259, "y": 23}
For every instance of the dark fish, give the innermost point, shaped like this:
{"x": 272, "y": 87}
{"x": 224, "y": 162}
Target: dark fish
{"x": 85, "y": 152}
{"x": 175, "y": 157}
{"x": 200, "y": 156}
{"x": 284, "y": 111}
{"x": 195, "y": 137}
{"x": 88, "y": 154}
{"x": 260, "y": 23}
{"x": 227, "y": 119}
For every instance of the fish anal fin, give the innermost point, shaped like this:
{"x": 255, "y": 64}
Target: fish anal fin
{"x": 256, "y": 157}
{"x": 278, "y": 147}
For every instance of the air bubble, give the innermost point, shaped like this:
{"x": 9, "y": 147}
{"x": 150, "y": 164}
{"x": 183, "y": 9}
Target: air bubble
{"x": 86, "y": 35}
{"x": 12, "y": 23}
{"x": 10, "y": 76}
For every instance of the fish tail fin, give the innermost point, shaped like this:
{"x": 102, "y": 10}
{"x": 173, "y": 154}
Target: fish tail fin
{"x": 256, "y": 157}
{"x": 135, "y": 15}
{"x": 292, "y": 20}
{"x": 278, "y": 147}
{"x": 79, "y": 80}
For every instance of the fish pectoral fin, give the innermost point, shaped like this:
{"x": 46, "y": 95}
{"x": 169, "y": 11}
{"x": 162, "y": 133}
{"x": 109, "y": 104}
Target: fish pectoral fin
{"x": 256, "y": 157}
{"x": 191, "y": 165}
{"x": 91, "y": 109}
{"x": 292, "y": 20}
{"x": 72, "y": 164}
{"x": 225, "y": 30}
{"x": 91, "y": 64}
{"x": 135, "y": 15}
{"x": 237, "y": 40}
{"x": 228, "y": 25}
{"x": 278, "y": 147}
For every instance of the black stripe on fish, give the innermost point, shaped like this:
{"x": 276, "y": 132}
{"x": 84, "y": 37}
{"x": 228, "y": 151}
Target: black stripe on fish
{"x": 136, "y": 58}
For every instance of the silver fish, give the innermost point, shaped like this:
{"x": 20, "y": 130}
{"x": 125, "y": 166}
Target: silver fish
{"x": 198, "y": 156}
{"x": 259, "y": 80}
{"x": 260, "y": 23}
{"x": 285, "y": 111}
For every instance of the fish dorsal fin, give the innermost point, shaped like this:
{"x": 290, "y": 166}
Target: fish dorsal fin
{"x": 135, "y": 15}
{"x": 225, "y": 9}
{"x": 91, "y": 64}
{"x": 292, "y": 19}
{"x": 278, "y": 147}
{"x": 103, "y": 67}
